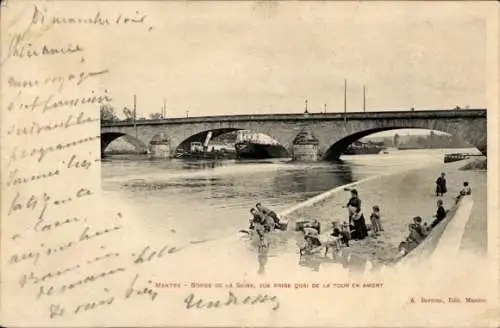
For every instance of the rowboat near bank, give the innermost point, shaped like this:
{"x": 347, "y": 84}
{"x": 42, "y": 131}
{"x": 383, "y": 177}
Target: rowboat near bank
{"x": 449, "y": 158}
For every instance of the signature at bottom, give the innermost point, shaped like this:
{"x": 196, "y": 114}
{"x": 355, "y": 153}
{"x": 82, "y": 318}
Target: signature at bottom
{"x": 191, "y": 301}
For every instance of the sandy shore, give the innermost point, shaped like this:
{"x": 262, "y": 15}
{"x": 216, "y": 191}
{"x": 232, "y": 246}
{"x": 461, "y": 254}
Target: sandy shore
{"x": 401, "y": 196}
{"x": 232, "y": 262}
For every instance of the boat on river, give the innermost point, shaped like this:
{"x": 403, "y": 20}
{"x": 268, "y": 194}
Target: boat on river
{"x": 449, "y": 158}
{"x": 364, "y": 148}
{"x": 199, "y": 151}
{"x": 257, "y": 146}
{"x": 259, "y": 151}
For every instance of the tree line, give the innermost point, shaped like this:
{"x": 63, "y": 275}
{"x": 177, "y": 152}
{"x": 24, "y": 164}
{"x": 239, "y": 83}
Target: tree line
{"x": 432, "y": 140}
{"x": 108, "y": 114}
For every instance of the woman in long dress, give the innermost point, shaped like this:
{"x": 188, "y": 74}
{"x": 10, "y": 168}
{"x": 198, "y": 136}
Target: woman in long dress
{"x": 353, "y": 204}
{"x": 360, "y": 230}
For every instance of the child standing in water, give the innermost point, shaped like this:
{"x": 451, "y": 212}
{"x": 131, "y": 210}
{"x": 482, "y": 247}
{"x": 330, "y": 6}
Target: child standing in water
{"x": 375, "y": 218}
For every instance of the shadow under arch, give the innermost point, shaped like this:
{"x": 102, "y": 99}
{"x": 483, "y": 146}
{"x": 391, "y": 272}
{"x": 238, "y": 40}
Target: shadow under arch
{"x": 201, "y": 136}
{"x": 334, "y": 151}
{"x": 108, "y": 137}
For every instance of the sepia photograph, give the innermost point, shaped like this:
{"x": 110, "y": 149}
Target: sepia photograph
{"x": 283, "y": 122}
{"x": 255, "y": 163}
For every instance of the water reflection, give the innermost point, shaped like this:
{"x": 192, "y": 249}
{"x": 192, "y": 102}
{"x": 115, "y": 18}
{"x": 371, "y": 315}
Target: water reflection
{"x": 278, "y": 242}
{"x": 262, "y": 256}
{"x": 200, "y": 164}
{"x": 310, "y": 261}
{"x": 306, "y": 179}
{"x": 355, "y": 264}
{"x": 211, "y": 199}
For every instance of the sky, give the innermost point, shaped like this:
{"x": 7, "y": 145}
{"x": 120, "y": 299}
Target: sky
{"x": 266, "y": 57}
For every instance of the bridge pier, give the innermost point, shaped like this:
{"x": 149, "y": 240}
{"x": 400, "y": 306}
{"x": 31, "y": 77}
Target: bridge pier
{"x": 305, "y": 147}
{"x": 159, "y": 149}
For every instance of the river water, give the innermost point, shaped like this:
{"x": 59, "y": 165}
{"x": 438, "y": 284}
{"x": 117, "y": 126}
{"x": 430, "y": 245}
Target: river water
{"x": 204, "y": 200}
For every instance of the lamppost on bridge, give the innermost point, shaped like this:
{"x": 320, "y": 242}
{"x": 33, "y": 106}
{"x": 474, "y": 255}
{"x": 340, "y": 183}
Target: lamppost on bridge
{"x": 364, "y": 98}
{"x": 164, "y": 109}
{"x": 135, "y": 115}
{"x": 345, "y": 102}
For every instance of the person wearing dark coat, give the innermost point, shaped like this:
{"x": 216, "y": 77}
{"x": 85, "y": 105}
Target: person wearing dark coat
{"x": 359, "y": 231}
{"x": 354, "y": 201}
{"x": 440, "y": 214}
{"x": 267, "y": 212}
{"x": 353, "y": 204}
{"x": 441, "y": 185}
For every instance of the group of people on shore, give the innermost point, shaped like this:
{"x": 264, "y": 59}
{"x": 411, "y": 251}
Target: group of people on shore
{"x": 418, "y": 230}
{"x": 357, "y": 228}
{"x": 441, "y": 188}
{"x": 353, "y": 229}
{"x": 357, "y": 223}
{"x": 265, "y": 220}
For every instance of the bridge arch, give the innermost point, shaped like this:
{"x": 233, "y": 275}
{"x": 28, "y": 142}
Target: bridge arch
{"x": 201, "y": 136}
{"x": 335, "y": 150}
{"x": 108, "y": 137}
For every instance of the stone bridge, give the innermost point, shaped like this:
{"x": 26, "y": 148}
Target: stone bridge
{"x": 335, "y": 131}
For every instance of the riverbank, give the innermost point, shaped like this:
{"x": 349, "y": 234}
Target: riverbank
{"x": 478, "y": 164}
{"x": 402, "y": 196}
{"x": 232, "y": 261}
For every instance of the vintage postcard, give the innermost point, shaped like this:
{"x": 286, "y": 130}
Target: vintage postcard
{"x": 249, "y": 163}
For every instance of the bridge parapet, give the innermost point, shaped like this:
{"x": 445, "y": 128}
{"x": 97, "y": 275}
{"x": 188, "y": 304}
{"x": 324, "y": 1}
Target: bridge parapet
{"x": 423, "y": 114}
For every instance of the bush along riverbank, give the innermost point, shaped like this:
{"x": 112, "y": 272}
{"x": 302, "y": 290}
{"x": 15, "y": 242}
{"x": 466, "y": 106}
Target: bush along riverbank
{"x": 402, "y": 196}
{"x": 478, "y": 164}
